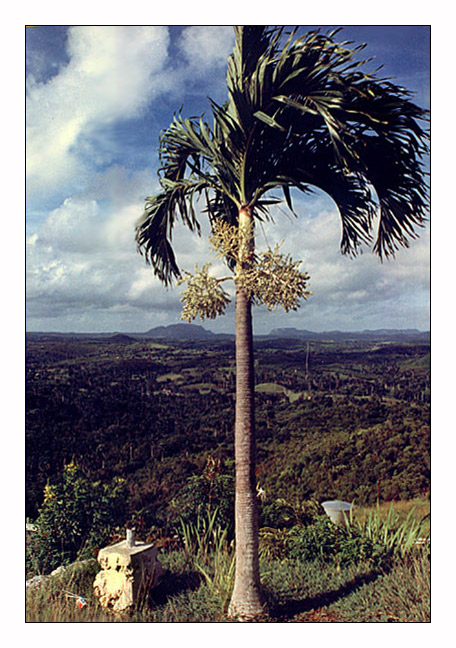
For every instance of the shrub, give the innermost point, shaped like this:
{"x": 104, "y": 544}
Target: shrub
{"x": 77, "y": 517}
{"x": 280, "y": 513}
{"x": 330, "y": 543}
{"x": 376, "y": 539}
{"x": 204, "y": 494}
{"x": 321, "y": 540}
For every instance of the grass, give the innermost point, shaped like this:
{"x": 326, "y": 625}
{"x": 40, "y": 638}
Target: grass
{"x": 275, "y": 388}
{"x": 420, "y": 508}
{"x": 198, "y": 579}
{"x": 295, "y": 591}
{"x": 174, "y": 377}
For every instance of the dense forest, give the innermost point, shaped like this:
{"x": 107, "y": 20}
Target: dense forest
{"x": 345, "y": 419}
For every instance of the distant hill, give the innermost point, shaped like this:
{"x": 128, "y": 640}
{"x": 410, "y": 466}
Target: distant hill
{"x": 376, "y": 334}
{"x": 179, "y": 332}
{"x": 171, "y": 332}
{"x": 199, "y": 333}
{"x": 121, "y": 337}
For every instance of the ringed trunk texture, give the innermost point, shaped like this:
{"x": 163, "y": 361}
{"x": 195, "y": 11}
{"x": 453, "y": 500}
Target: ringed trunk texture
{"x": 246, "y": 600}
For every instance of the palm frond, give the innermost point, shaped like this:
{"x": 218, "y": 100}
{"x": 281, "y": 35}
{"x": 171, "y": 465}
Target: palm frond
{"x": 154, "y": 228}
{"x": 301, "y": 112}
{"x": 312, "y": 100}
{"x": 153, "y": 237}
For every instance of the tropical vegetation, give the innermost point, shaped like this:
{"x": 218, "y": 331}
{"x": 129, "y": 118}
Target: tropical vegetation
{"x": 140, "y": 432}
{"x": 301, "y": 112}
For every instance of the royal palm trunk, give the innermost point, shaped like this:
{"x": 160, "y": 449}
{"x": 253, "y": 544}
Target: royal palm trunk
{"x": 246, "y": 598}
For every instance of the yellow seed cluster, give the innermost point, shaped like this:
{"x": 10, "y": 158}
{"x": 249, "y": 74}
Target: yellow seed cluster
{"x": 49, "y": 493}
{"x": 275, "y": 280}
{"x": 71, "y": 468}
{"x": 231, "y": 241}
{"x": 204, "y": 295}
{"x": 270, "y": 278}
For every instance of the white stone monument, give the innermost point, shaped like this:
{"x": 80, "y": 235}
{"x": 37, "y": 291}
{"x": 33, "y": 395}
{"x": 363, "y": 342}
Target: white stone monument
{"x": 129, "y": 569}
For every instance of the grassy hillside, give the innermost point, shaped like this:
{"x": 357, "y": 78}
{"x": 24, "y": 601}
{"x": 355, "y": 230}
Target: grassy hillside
{"x": 142, "y": 432}
{"x": 313, "y": 573}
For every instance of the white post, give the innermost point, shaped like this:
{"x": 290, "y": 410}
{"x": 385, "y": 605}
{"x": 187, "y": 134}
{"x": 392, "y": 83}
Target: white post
{"x": 131, "y": 539}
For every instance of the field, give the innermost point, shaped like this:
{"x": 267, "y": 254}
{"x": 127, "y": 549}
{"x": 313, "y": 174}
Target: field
{"x": 335, "y": 420}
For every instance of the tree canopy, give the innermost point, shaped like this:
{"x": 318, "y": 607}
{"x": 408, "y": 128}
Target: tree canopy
{"x": 300, "y": 112}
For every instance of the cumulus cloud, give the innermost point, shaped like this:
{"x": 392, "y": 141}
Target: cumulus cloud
{"x": 347, "y": 290}
{"x": 83, "y": 270}
{"x": 206, "y": 47}
{"x": 83, "y": 267}
{"x": 113, "y": 71}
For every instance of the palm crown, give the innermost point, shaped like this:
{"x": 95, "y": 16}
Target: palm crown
{"x": 300, "y": 113}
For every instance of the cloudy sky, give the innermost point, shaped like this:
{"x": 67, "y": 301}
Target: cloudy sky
{"x": 97, "y": 99}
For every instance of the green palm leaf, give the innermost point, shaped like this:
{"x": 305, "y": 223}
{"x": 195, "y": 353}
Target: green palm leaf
{"x": 300, "y": 112}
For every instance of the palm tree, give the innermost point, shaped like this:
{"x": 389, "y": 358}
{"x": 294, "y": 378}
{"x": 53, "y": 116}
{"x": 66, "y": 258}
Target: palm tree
{"x": 300, "y": 113}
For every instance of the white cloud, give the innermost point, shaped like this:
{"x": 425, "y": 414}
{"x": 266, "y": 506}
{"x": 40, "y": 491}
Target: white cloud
{"x": 83, "y": 263}
{"x": 112, "y": 73}
{"x": 72, "y": 226}
{"x": 206, "y": 47}
{"x": 346, "y": 289}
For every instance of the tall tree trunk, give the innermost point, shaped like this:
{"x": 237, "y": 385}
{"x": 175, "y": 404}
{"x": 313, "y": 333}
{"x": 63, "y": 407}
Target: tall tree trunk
{"x": 246, "y": 599}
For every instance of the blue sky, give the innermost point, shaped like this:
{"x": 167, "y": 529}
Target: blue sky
{"x": 97, "y": 99}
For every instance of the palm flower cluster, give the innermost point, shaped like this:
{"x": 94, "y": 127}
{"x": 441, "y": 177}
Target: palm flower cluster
{"x": 203, "y": 296}
{"x": 275, "y": 280}
{"x": 268, "y": 278}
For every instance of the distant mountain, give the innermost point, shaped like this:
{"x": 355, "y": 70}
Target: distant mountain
{"x": 178, "y": 332}
{"x": 199, "y": 333}
{"x": 367, "y": 334}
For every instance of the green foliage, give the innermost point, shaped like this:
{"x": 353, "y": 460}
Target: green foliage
{"x": 207, "y": 546}
{"x": 321, "y": 540}
{"x": 204, "y": 535}
{"x": 357, "y": 429}
{"x": 280, "y": 513}
{"x": 397, "y": 536}
{"x": 331, "y": 543}
{"x": 208, "y": 496}
{"x": 219, "y": 573}
{"x": 76, "y": 518}
{"x": 375, "y": 539}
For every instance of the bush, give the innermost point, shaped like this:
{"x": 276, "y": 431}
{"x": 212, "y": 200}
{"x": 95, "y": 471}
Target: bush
{"x": 376, "y": 539}
{"x": 76, "y": 518}
{"x": 331, "y": 543}
{"x": 205, "y": 494}
{"x": 322, "y": 540}
{"x": 281, "y": 514}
